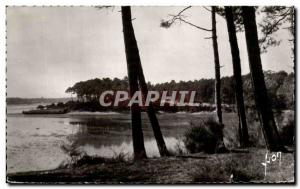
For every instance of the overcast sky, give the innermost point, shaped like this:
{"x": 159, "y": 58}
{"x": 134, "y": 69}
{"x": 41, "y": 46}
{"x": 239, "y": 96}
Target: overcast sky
{"x": 51, "y": 48}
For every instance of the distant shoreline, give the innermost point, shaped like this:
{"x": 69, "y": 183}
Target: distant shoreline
{"x": 20, "y": 101}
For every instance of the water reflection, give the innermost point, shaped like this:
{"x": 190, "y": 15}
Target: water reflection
{"x": 36, "y": 142}
{"x": 108, "y": 137}
{"x": 127, "y": 149}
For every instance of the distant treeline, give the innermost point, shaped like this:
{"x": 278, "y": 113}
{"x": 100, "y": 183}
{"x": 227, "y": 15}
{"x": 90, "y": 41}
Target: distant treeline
{"x": 280, "y": 88}
{"x": 16, "y": 100}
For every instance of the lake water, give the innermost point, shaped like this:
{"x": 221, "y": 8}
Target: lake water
{"x": 42, "y": 142}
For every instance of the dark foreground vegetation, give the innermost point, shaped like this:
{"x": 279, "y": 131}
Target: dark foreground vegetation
{"x": 199, "y": 168}
{"x": 205, "y": 135}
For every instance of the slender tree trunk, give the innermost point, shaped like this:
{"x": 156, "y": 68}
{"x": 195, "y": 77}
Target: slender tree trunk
{"x": 152, "y": 116}
{"x": 238, "y": 82}
{"x": 217, "y": 66}
{"x": 132, "y": 57}
{"x": 262, "y": 101}
{"x": 220, "y": 146}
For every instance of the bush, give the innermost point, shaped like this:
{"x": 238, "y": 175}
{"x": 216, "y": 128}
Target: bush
{"x": 287, "y": 133}
{"x": 205, "y": 137}
{"x": 40, "y": 107}
{"x": 60, "y": 105}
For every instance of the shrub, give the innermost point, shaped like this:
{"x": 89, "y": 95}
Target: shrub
{"x": 287, "y": 133}
{"x": 204, "y": 137}
{"x": 83, "y": 159}
{"x": 40, "y": 107}
{"x": 60, "y": 105}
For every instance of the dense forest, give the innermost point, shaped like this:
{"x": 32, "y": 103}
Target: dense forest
{"x": 280, "y": 88}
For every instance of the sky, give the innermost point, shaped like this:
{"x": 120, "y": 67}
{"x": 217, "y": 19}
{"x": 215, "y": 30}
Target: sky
{"x": 51, "y": 48}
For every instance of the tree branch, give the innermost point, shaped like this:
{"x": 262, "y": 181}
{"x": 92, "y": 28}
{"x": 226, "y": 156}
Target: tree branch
{"x": 273, "y": 25}
{"x": 191, "y": 24}
{"x": 206, "y": 9}
{"x": 183, "y": 10}
{"x": 180, "y": 17}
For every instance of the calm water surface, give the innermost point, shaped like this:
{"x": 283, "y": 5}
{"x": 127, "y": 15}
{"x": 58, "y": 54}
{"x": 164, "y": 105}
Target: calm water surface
{"x": 42, "y": 142}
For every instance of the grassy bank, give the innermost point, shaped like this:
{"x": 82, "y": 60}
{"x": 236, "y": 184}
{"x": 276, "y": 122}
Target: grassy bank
{"x": 198, "y": 168}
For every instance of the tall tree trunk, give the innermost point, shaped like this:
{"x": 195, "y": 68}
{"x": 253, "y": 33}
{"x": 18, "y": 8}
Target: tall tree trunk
{"x": 217, "y": 66}
{"x": 220, "y": 146}
{"x": 238, "y": 82}
{"x": 262, "y": 101}
{"x": 163, "y": 151}
{"x": 132, "y": 57}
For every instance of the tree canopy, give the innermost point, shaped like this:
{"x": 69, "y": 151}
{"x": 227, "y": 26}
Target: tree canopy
{"x": 280, "y": 88}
